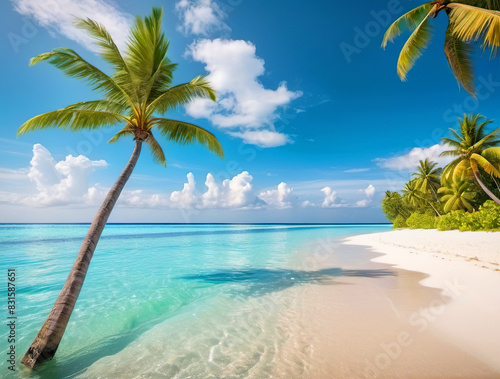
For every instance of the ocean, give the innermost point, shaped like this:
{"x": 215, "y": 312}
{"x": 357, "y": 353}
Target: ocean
{"x": 180, "y": 301}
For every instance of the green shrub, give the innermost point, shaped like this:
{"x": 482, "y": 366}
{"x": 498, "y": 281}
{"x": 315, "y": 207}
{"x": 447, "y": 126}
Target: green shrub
{"x": 399, "y": 222}
{"x": 451, "y": 221}
{"x": 425, "y": 220}
{"x": 486, "y": 218}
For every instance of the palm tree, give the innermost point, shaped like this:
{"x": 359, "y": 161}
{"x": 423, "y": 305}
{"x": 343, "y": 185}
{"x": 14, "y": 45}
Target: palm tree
{"x": 457, "y": 195}
{"x": 427, "y": 177}
{"x": 136, "y": 95}
{"x": 468, "y": 20}
{"x": 415, "y": 197}
{"x": 473, "y": 148}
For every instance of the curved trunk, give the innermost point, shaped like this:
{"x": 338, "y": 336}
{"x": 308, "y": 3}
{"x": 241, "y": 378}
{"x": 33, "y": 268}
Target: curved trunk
{"x": 47, "y": 341}
{"x": 485, "y": 189}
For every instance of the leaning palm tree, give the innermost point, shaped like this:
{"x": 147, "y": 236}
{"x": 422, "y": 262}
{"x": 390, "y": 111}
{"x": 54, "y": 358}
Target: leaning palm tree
{"x": 457, "y": 194}
{"x": 136, "y": 95}
{"x": 468, "y": 20}
{"x": 473, "y": 148}
{"x": 427, "y": 177}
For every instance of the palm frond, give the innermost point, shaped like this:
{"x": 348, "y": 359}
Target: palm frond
{"x": 186, "y": 133}
{"x": 486, "y": 165}
{"x": 72, "y": 119}
{"x": 99, "y": 105}
{"x": 111, "y": 54}
{"x": 458, "y": 54}
{"x": 126, "y": 131}
{"x": 414, "y": 46}
{"x": 182, "y": 94}
{"x": 409, "y": 20}
{"x": 73, "y": 65}
{"x": 470, "y": 23}
{"x": 156, "y": 150}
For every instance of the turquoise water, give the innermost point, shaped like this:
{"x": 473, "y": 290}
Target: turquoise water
{"x": 193, "y": 301}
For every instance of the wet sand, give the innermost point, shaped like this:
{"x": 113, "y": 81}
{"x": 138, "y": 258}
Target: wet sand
{"x": 377, "y": 326}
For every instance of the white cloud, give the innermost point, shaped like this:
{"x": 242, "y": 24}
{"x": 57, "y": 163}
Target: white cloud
{"x": 60, "y": 183}
{"x": 263, "y": 138}
{"x": 58, "y": 16}
{"x": 200, "y": 16}
{"x": 246, "y": 108}
{"x": 369, "y": 192}
{"x": 409, "y": 161}
{"x": 185, "y": 198}
{"x": 232, "y": 193}
{"x": 280, "y": 198}
{"x": 331, "y": 199}
{"x": 356, "y": 170}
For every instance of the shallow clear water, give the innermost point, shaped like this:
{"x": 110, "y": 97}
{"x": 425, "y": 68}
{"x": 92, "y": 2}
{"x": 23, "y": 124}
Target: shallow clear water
{"x": 177, "y": 300}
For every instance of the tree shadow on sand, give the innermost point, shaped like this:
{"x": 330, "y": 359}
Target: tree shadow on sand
{"x": 261, "y": 281}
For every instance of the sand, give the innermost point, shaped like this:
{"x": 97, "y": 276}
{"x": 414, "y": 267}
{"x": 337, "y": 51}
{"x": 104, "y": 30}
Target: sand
{"x": 465, "y": 268}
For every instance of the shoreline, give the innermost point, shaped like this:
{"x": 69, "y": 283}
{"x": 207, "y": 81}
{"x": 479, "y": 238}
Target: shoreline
{"x": 465, "y": 267}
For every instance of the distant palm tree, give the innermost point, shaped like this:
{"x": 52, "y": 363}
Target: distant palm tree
{"x": 468, "y": 20}
{"x": 427, "y": 177}
{"x": 457, "y": 195}
{"x": 415, "y": 197}
{"x": 139, "y": 90}
{"x": 473, "y": 148}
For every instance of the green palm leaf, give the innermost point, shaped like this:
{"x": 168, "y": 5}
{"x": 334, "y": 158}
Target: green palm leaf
{"x": 186, "y": 133}
{"x": 486, "y": 165}
{"x": 408, "y": 21}
{"x": 471, "y": 23}
{"x": 181, "y": 94}
{"x": 458, "y": 54}
{"x": 414, "y": 46}
{"x": 156, "y": 150}
{"x": 71, "y": 119}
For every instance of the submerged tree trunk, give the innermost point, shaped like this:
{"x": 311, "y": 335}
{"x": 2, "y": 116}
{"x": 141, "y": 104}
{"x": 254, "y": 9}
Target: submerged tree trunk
{"x": 47, "y": 341}
{"x": 485, "y": 189}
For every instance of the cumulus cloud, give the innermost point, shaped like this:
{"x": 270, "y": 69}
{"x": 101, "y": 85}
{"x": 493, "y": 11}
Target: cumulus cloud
{"x": 409, "y": 161}
{"x": 58, "y": 16}
{"x": 369, "y": 192}
{"x": 246, "y": 109}
{"x": 185, "y": 198}
{"x": 60, "y": 183}
{"x": 331, "y": 199}
{"x": 280, "y": 198}
{"x": 232, "y": 193}
{"x": 200, "y": 16}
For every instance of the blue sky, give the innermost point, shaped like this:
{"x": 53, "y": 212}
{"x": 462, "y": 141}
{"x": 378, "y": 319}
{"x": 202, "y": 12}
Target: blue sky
{"x": 314, "y": 121}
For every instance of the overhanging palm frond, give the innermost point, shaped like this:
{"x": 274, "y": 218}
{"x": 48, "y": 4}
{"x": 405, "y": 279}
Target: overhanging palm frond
{"x": 186, "y": 133}
{"x": 408, "y": 21}
{"x": 471, "y": 23}
{"x": 486, "y": 165}
{"x": 458, "y": 54}
{"x": 72, "y": 119}
{"x": 182, "y": 94}
{"x": 492, "y": 154}
{"x": 156, "y": 150}
{"x": 414, "y": 46}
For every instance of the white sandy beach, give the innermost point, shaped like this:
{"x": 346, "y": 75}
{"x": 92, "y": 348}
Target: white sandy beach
{"x": 466, "y": 267}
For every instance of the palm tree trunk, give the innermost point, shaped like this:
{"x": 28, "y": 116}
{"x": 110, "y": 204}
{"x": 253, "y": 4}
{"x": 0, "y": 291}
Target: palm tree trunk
{"x": 47, "y": 341}
{"x": 485, "y": 189}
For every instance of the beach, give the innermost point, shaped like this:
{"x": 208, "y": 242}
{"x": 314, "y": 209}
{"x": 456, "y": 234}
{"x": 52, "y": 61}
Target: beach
{"x": 465, "y": 269}
{"x": 263, "y": 301}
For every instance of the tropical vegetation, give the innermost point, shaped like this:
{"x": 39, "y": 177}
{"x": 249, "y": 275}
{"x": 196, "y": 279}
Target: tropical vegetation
{"x": 462, "y": 195}
{"x": 136, "y": 95}
{"x": 468, "y": 21}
